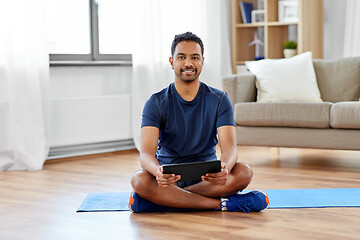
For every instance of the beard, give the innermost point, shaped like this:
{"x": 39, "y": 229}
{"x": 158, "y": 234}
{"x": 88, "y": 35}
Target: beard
{"x": 181, "y": 75}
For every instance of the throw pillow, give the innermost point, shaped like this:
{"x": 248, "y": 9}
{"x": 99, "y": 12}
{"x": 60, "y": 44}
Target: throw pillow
{"x": 286, "y": 80}
{"x": 338, "y": 79}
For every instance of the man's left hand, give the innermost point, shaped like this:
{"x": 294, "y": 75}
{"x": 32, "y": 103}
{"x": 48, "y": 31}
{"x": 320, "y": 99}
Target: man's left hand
{"x": 219, "y": 178}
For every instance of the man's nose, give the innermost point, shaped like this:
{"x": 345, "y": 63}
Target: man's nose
{"x": 188, "y": 62}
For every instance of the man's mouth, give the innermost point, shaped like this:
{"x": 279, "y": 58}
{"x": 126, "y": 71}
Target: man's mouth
{"x": 187, "y": 71}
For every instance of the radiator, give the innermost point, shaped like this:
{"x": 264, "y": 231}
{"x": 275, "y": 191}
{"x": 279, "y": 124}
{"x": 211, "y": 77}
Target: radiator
{"x": 81, "y": 121}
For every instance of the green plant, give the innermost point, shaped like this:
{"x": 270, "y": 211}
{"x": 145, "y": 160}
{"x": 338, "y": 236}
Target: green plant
{"x": 290, "y": 45}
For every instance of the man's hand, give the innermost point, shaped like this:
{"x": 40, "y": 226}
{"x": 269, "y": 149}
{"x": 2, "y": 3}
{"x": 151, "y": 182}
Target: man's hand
{"x": 165, "y": 180}
{"x": 219, "y": 178}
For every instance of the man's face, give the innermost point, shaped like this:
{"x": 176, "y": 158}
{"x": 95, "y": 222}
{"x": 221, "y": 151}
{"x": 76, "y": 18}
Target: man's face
{"x": 187, "y": 61}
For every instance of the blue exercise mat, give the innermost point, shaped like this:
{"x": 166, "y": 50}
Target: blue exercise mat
{"x": 314, "y": 198}
{"x": 279, "y": 198}
{"x": 101, "y": 202}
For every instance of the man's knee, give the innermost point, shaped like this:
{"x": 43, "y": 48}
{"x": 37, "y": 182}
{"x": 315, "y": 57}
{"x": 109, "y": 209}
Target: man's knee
{"x": 242, "y": 174}
{"x": 141, "y": 181}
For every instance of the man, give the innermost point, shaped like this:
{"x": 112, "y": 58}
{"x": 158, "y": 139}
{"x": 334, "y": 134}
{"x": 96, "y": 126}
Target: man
{"x": 180, "y": 124}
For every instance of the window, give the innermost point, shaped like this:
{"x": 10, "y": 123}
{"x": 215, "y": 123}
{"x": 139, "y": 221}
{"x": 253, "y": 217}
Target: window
{"x": 114, "y": 27}
{"x": 88, "y": 30}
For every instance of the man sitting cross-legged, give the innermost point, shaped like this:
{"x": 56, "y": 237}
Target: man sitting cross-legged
{"x": 183, "y": 123}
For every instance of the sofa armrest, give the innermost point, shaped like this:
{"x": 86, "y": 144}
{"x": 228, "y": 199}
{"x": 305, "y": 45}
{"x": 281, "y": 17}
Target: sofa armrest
{"x": 240, "y": 87}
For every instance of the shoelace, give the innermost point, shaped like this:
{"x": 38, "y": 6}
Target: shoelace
{"x": 244, "y": 206}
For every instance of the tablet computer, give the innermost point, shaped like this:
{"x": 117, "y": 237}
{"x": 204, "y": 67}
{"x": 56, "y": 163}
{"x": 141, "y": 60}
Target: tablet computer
{"x": 192, "y": 171}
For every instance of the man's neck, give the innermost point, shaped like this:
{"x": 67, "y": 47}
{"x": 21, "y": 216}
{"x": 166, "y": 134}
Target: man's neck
{"x": 187, "y": 90}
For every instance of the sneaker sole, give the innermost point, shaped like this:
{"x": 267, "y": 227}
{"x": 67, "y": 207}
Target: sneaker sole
{"x": 266, "y": 198}
{"x": 131, "y": 201}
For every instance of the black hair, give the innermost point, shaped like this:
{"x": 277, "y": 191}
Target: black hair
{"x": 188, "y": 36}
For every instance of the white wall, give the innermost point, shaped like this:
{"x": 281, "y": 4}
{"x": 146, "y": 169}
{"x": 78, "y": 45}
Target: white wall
{"x": 89, "y": 104}
{"x": 334, "y": 28}
{"x": 89, "y": 81}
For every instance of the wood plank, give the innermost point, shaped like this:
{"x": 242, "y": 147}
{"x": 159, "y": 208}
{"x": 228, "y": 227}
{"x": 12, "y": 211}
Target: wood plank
{"x": 42, "y": 204}
{"x": 277, "y": 35}
{"x": 310, "y": 29}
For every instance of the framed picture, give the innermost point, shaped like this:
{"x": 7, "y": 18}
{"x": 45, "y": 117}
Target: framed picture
{"x": 257, "y": 16}
{"x": 288, "y": 11}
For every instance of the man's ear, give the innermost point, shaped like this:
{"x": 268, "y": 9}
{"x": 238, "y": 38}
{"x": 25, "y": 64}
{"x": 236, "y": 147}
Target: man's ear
{"x": 171, "y": 60}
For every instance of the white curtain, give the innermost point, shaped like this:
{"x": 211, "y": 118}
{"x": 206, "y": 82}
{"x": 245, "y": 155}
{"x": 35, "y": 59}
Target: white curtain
{"x": 352, "y": 29}
{"x": 160, "y": 21}
{"x": 24, "y": 73}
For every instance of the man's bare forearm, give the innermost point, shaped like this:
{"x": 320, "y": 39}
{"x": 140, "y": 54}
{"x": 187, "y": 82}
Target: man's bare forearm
{"x": 149, "y": 163}
{"x": 229, "y": 157}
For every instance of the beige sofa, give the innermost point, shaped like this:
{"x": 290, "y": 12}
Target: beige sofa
{"x": 332, "y": 124}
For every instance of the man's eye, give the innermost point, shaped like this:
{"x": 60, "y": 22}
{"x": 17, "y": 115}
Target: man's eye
{"x": 195, "y": 58}
{"x": 181, "y": 57}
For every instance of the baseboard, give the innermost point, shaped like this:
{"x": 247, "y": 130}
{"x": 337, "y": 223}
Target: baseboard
{"x": 91, "y": 148}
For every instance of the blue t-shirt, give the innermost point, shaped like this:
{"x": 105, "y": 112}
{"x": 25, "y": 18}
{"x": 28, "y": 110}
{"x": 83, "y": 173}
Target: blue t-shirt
{"x": 187, "y": 129}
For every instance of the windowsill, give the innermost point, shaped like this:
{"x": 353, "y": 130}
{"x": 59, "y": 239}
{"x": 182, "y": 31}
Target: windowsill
{"x": 120, "y": 95}
{"x": 126, "y": 63}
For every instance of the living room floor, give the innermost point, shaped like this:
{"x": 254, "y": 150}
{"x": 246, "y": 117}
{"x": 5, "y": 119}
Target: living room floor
{"x": 42, "y": 204}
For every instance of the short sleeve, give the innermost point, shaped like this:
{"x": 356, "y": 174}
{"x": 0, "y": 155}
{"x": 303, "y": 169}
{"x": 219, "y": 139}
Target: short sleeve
{"x": 151, "y": 113}
{"x": 225, "y": 113}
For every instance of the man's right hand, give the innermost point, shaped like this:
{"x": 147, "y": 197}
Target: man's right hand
{"x": 164, "y": 180}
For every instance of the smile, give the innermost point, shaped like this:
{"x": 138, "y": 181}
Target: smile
{"x": 188, "y": 71}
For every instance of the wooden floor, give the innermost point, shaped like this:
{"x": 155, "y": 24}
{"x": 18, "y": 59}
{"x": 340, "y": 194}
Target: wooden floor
{"x": 42, "y": 204}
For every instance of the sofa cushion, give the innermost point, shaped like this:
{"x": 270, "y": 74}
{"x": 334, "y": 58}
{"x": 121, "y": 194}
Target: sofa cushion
{"x": 305, "y": 115}
{"x": 286, "y": 80}
{"x": 240, "y": 88}
{"x": 338, "y": 79}
{"x": 345, "y": 115}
